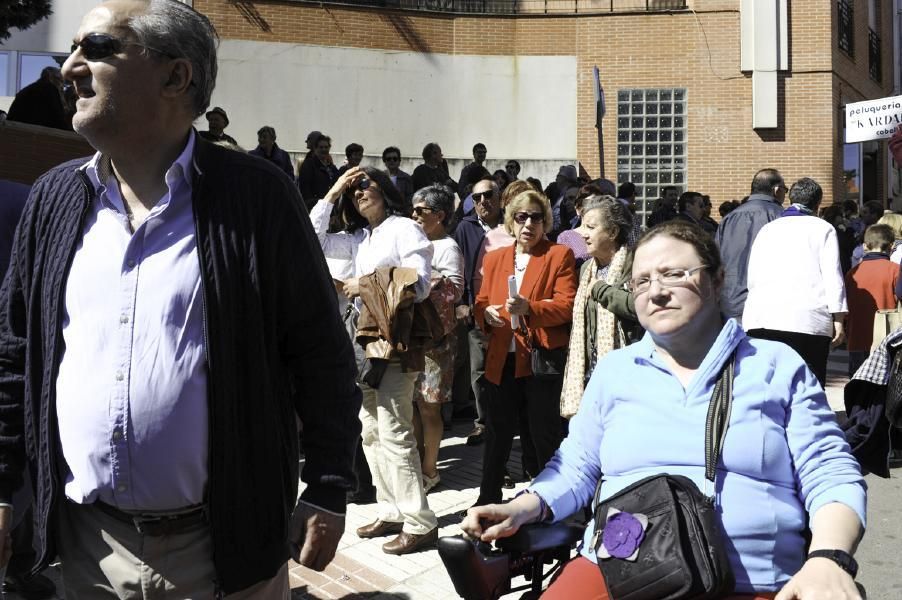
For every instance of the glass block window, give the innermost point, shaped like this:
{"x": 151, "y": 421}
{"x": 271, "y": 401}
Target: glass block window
{"x": 651, "y": 142}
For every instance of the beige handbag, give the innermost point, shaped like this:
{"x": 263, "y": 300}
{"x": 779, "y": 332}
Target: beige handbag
{"x": 886, "y": 321}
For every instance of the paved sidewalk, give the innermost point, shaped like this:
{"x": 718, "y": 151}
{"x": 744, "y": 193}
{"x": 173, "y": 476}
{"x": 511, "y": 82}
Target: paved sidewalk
{"x": 362, "y": 571}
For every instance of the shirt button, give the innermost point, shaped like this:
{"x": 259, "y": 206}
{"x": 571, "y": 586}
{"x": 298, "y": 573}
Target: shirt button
{"x": 119, "y": 376}
{"x": 117, "y": 434}
{"x": 121, "y": 487}
{"x": 123, "y": 319}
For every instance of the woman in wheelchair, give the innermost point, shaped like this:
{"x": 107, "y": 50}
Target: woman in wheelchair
{"x": 784, "y": 466}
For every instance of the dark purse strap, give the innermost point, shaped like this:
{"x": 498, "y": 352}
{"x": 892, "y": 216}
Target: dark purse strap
{"x": 718, "y": 418}
{"x": 716, "y": 424}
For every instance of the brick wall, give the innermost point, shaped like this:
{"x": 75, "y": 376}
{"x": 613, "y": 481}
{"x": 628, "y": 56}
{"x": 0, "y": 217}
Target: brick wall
{"x": 27, "y": 151}
{"x": 698, "y": 51}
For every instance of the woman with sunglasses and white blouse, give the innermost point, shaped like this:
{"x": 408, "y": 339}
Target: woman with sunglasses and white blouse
{"x": 433, "y": 209}
{"x": 378, "y": 233}
{"x": 544, "y": 274}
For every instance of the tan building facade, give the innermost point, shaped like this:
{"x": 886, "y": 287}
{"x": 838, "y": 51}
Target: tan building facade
{"x": 680, "y": 109}
{"x": 642, "y": 56}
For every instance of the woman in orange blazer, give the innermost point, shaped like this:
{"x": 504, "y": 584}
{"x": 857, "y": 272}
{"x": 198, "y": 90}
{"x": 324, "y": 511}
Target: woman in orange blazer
{"x": 546, "y": 280}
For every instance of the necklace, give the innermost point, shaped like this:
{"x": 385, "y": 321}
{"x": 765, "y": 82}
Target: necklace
{"x": 521, "y": 261}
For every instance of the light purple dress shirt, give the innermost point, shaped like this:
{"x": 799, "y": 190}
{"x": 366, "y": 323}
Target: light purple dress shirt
{"x": 132, "y": 385}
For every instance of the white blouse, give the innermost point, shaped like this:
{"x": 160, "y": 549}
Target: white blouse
{"x": 396, "y": 242}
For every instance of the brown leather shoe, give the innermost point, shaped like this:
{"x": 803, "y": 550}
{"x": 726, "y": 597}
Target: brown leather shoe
{"x": 379, "y": 528}
{"x": 406, "y": 543}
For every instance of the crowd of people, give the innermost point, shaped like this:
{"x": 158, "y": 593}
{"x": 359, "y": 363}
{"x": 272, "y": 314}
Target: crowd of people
{"x": 547, "y": 286}
{"x": 175, "y": 308}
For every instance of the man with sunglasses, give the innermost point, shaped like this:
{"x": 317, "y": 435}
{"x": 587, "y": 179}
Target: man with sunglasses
{"x": 470, "y": 236}
{"x": 512, "y": 168}
{"x": 162, "y": 331}
{"x": 391, "y": 157}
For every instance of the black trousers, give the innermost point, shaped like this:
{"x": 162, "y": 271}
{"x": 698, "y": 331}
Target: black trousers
{"x": 540, "y": 431}
{"x": 814, "y": 349}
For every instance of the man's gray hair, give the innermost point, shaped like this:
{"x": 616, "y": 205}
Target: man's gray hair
{"x": 176, "y": 30}
{"x": 437, "y": 197}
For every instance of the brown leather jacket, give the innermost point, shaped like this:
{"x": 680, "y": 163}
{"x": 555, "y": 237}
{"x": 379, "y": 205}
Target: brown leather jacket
{"x": 391, "y": 324}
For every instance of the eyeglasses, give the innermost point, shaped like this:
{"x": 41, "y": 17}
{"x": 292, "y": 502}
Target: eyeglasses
{"x": 392, "y": 158}
{"x": 422, "y": 210}
{"x": 673, "y": 277}
{"x": 511, "y": 167}
{"x": 535, "y": 217}
{"x": 97, "y": 46}
{"x": 363, "y": 184}
{"x": 486, "y": 195}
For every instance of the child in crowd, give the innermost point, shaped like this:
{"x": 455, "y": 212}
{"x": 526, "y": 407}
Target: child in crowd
{"x": 870, "y": 286}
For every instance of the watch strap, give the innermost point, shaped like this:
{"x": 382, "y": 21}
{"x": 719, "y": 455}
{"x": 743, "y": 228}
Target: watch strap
{"x": 842, "y": 558}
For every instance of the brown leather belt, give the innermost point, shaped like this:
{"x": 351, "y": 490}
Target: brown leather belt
{"x": 157, "y": 524}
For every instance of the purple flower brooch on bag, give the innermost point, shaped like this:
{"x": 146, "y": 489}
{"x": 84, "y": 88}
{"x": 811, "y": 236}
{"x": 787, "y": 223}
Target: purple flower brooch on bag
{"x": 623, "y": 534}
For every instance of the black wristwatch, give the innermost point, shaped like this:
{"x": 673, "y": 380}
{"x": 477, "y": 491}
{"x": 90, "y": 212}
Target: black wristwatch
{"x": 840, "y": 557}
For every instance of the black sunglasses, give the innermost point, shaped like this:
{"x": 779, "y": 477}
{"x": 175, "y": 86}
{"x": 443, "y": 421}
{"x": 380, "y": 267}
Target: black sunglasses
{"x": 391, "y": 158}
{"x": 535, "y": 217}
{"x": 486, "y": 195}
{"x": 363, "y": 184}
{"x": 97, "y": 46}
{"x": 422, "y": 210}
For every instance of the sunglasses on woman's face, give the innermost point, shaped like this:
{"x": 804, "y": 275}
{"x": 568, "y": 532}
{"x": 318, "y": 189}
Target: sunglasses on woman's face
{"x": 535, "y": 217}
{"x": 97, "y": 46}
{"x": 422, "y": 210}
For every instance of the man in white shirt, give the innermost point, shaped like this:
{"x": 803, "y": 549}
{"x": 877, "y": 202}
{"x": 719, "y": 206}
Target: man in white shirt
{"x": 796, "y": 291}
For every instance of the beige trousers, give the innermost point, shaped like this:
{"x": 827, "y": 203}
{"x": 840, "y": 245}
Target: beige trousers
{"x": 105, "y": 559}
{"x": 391, "y": 451}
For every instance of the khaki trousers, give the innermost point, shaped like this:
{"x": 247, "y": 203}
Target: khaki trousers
{"x": 391, "y": 450}
{"x": 106, "y": 559}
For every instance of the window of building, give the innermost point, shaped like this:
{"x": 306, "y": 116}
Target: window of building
{"x": 651, "y": 142}
{"x": 31, "y": 65}
{"x": 875, "y": 64}
{"x": 4, "y": 74}
{"x": 845, "y": 18}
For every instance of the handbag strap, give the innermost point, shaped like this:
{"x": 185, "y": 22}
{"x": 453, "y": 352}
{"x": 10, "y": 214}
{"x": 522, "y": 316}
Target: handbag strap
{"x": 718, "y": 417}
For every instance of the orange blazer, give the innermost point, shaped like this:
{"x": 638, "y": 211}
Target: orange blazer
{"x": 549, "y": 283}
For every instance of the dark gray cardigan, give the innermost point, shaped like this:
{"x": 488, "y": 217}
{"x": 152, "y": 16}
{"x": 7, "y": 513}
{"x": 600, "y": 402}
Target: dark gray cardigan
{"x": 275, "y": 348}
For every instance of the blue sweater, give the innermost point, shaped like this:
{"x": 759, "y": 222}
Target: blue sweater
{"x": 784, "y": 453}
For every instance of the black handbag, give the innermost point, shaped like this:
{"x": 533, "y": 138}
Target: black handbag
{"x": 660, "y": 539}
{"x": 369, "y": 370}
{"x": 547, "y": 364}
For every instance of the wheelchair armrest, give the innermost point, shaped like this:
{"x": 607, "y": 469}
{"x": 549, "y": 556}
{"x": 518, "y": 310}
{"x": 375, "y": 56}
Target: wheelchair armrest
{"x": 477, "y": 572}
{"x": 537, "y": 537}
